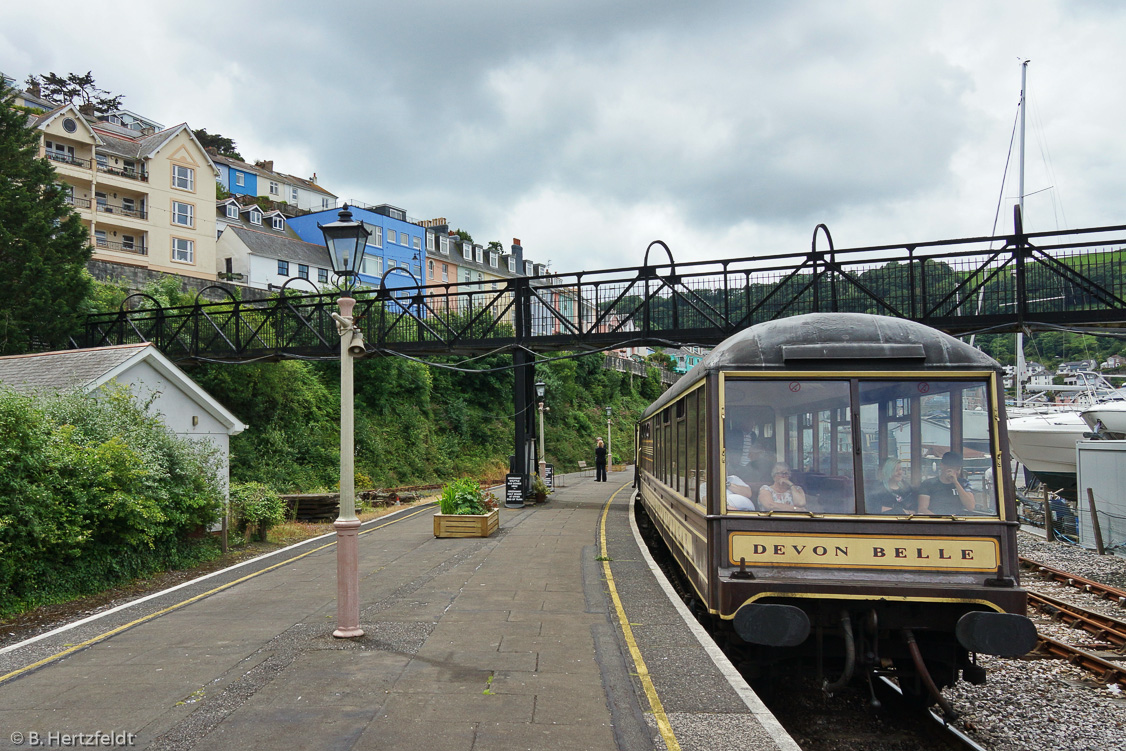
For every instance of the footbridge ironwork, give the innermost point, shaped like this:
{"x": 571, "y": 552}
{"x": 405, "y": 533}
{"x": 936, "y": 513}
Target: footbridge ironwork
{"x": 960, "y": 286}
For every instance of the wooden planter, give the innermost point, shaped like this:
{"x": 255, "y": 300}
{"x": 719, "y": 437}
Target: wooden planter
{"x": 466, "y": 525}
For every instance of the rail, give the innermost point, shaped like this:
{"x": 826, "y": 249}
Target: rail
{"x": 979, "y": 284}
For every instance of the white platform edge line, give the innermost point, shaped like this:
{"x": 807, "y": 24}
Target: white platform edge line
{"x": 161, "y": 593}
{"x": 754, "y": 704}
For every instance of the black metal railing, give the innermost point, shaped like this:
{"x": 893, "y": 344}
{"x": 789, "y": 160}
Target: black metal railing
{"x": 132, "y": 174}
{"x": 972, "y": 284}
{"x": 81, "y": 203}
{"x": 120, "y": 210}
{"x": 124, "y": 247}
{"x": 57, "y": 156}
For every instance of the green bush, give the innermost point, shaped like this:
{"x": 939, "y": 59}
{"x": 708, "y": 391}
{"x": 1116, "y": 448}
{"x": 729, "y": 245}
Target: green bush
{"x": 94, "y": 492}
{"x": 256, "y": 505}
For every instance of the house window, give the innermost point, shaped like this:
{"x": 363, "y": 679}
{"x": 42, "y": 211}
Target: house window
{"x": 372, "y": 266}
{"x": 182, "y": 177}
{"x": 376, "y": 238}
{"x": 255, "y": 216}
{"x": 416, "y": 243}
{"x": 279, "y": 223}
{"x": 392, "y": 237}
{"x": 395, "y": 214}
{"x": 103, "y": 162}
{"x": 102, "y": 203}
{"x": 129, "y": 206}
{"x": 479, "y": 253}
{"x": 430, "y": 269}
{"x": 324, "y": 204}
{"x": 240, "y": 178}
{"x": 183, "y": 250}
{"x": 274, "y": 189}
{"x": 283, "y": 268}
{"x": 493, "y": 260}
{"x": 445, "y": 272}
{"x": 322, "y": 276}
{"x": 183, "y": 214}
{"x": 512, "y": 264}
{"x": 293, "y": 194}
{"x": 391, "y": 263}
{"x": 444, "y": 245}
{"x": 100, "y": 238}
{"x": 467, "y": 251}
{"x": 528, "y": 268}
{"x": 429, "y": 242}
{"x": 302, "y": 271}
{"x": 127, "y": 242}
{"x": 232, "y": 211}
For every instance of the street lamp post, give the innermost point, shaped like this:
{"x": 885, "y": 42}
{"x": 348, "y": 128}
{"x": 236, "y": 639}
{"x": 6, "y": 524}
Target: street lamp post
{"x": 541, "y": 389}
{"x": 345, "y": 240}
{"x": 609, "y": 440}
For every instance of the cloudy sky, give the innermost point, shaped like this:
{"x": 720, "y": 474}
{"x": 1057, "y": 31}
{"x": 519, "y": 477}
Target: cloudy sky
{"x": 589, "y": 129}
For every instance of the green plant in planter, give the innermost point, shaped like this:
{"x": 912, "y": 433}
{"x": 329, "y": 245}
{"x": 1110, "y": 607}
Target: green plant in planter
{"x": 539, "y": 489}
{"x": 465, "y": 496}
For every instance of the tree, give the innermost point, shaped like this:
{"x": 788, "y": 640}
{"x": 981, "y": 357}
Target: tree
{"x": 44, "y": 246}
{"x": 75, "y": 89}
{"x": 223, "y": 145}
{"x": 464, "y": 236}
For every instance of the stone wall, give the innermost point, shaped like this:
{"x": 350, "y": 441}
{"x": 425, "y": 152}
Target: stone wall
{"x": 136, "y": 277}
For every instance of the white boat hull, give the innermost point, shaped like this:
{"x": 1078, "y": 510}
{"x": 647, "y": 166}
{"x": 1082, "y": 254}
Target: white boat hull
{"x": 1045, "y": 444}
{"x": 1112, "y": 415}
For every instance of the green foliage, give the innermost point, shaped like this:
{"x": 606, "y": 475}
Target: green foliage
{"x": 539, "y": 488}
{"x": 221, "y": 144}
{"x": 74, "y": 88}
{"x": 463, "y": 235}
{"x": 44, "y": 246}
{"x": 463, "y": 496}
{"x": 94, "y": 491}
{"x": 256, "y": 505}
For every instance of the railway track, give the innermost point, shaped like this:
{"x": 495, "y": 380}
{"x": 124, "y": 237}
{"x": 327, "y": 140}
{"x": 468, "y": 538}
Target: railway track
{"x": 1110, "y": 631}
{"x": 1105, "y": 591}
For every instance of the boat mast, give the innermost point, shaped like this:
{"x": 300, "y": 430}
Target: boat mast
{"x": 1020, "y": 203}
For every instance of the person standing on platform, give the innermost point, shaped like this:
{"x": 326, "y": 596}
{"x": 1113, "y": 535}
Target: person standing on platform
{"x": 599, "y": 462}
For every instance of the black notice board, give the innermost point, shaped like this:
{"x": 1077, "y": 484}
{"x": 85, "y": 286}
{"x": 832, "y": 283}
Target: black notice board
{"x": 514, "y": 490}
{"x": 549, "y": 476}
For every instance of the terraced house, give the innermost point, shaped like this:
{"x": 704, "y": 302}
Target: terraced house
{"x": 147, "y": 195}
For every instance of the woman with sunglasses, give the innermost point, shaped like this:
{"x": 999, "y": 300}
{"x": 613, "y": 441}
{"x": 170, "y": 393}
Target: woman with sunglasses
{"x": 781, "y": 494}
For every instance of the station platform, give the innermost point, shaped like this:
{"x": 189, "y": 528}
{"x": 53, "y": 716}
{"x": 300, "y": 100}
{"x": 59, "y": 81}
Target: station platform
{"x": 556, "y": 632}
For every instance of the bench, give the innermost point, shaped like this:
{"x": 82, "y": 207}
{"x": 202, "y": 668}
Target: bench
{"x": 583, "y": 467}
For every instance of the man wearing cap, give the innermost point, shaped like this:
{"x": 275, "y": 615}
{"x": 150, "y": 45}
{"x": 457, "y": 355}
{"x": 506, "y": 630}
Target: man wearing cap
{"x": 946, "y": 494}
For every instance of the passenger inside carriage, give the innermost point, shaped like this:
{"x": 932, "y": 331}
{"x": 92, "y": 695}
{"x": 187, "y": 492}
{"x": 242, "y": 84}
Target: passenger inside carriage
{"x": 892, "y": 494}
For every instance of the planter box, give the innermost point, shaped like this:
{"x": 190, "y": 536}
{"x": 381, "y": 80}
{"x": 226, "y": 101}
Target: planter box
{"x": 466, "y": 525}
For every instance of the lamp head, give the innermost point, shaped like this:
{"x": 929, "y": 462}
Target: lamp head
{"x": 345, "y": 240}
{"x": 541, "y": 389}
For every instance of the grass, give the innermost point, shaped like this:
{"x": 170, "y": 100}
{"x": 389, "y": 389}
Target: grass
{"x": 291, "y": 532}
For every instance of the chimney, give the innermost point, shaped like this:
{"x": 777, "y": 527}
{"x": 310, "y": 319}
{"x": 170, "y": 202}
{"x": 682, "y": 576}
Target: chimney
{"x": 313, "y": 179}
{"x": 518, "y": 251}
{"x": 268, "y": 165}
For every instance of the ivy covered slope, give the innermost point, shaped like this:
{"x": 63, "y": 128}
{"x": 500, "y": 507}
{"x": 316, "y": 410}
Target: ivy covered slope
{"x": 95, "y": 492}
{"x": 415, "y": 423}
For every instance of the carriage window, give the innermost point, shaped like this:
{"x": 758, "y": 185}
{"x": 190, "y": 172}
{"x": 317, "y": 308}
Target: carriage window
{"x": 788, "y": 446}
{"x": 691, "y": 446}
{"x": 927, "y": 448}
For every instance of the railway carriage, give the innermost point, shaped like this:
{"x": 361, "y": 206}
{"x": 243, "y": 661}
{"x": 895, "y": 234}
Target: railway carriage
{"x": 819, "y": 406}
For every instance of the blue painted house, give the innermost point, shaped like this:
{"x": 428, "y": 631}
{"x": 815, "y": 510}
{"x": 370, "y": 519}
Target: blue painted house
{"x": 237, "y": 178}
{"x": 395, "y": 247}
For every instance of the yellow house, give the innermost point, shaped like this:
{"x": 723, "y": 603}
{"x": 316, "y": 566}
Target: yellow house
{"x": 147, "y": 197}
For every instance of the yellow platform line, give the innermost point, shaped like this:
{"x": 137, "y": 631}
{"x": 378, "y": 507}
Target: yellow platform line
{"x": 662, "y": 719}
{"x": 102, "y": 637}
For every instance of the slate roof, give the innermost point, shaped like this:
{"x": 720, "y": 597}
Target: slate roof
{"x": 63, "y": 371}
{"x": 274, "y": 245}
{"x": 256, "y": 170}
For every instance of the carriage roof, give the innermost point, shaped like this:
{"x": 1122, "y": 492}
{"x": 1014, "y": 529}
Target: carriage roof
{"x": 832, "y": 342}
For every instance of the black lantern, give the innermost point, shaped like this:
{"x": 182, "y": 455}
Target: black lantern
{"x": 345, "y": 240}
{"x": 541, "y": 389}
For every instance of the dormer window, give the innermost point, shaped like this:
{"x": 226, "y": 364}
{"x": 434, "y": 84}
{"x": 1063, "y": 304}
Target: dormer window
{"x": 444, "y": 245}
{"x": 467, "y": 251}
{"x": 528, "y": 268}
{"x": 232, "y": 211}
{"x": 278, "y": 222}
{"x": 512, "y": 264}
{"x": 255, "y": 216}
{"x": 429, "y": 242}
{"x": 493, "y": 260}
{"x": 479, "y": 254}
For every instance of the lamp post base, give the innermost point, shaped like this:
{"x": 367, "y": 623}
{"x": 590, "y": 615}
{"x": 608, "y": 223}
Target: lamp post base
{"x": 347, "y": 579}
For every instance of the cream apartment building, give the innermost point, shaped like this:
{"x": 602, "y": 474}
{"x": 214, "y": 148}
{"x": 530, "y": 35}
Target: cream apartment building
{"x": 147, "y": 197}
